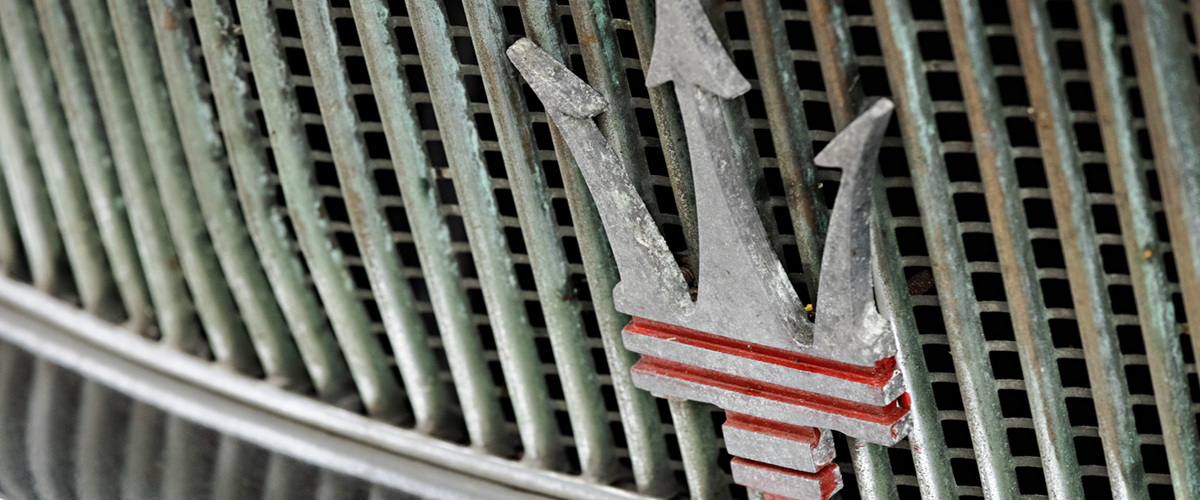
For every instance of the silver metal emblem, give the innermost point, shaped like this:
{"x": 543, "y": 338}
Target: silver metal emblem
{"x": 745, "y": 343}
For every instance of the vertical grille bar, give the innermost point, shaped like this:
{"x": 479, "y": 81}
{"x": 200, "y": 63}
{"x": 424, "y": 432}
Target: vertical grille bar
{"x": 1080, "y": 241}
{"x": 1171, "y": 105}
{"x": 185, "y": 468}
{"x": 933, "y": 191}
{"x": 931, "y": 458}
{"x": 691, "y": 421}
{"x": 394, "y": 297}
{"x": 141, "y": 472}
{"x": 15, "y": 372}
{"x": 31, "y": 203}
{"x": 669, "y": 123}
{"x": 418, "y": 365}
{"x": 264, "y": 221}
{"x": 589, "y": 419}
{"x": 639, "y": 414}
{"x": 95, "y": 160}
{"x": 48, "y": 437}
{"x": 700, "y": 450}
{"x": 1117, "y": 426}
{"x": 1066, "y": 177}
{"x": 476, "y": 393}
{"x": 873, "y": 471}
{"x": 790, "y": 134}
{"x": 473, "y": 188}
{"x": 777, "y": 80}
{"x": 235, "y": 461}
{"x": 1017, "y": 263}
{"x": 173, "y": 311}
{"x": 295, "y": 163}
{"x": 286, "y": 478}
{"x": 511, "y": 327}
{"x": 101, "y": 410}
{"x": 838, "y": 61}
{"x": 47, "y": 125}
{"x": 196, "y": 255}
{"x": 210, "y": 176}
{"x": 12, "y": 253}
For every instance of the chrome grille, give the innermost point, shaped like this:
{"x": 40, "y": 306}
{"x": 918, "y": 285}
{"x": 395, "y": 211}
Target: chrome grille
{"x": 359, "y": 201}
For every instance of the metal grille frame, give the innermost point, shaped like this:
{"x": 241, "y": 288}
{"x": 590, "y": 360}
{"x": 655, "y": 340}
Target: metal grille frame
{"x": 360, "y": 202}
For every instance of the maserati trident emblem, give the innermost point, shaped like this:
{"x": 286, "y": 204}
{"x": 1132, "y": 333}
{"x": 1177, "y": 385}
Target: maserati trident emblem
{"x": 745, "y": 343}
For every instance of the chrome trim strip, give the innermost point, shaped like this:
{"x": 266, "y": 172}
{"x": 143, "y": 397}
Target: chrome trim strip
{"x": 262, "y": 414}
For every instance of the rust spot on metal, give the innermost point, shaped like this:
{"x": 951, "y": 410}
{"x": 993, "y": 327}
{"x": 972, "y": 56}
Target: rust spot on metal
{"x": 169, "y": 21}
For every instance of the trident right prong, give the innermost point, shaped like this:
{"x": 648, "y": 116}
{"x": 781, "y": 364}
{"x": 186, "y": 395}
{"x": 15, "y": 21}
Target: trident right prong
{"x": 847, "y": 320}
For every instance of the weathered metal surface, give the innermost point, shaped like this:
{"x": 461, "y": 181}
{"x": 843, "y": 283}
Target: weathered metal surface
{"x": 1117, "y": 425}
{"x": 31, "y": 202}
{"x": 560, "y": 308}
{"x": 943, "y": 237}
{"x": 95, "y": 159}
{"x": 295, "y": 163}
{"x": 849, "y": 327}
{"x": 15, "y": 373}
{"x": 47, "y": 125}
{"x": 743, "y": 290}
{"x": 651, "y": 282}
{"x": 1154, "y": 36}
{"x": 669, "y": 125}
{"x": 375, "y": 244}
{"x": 1014, "y": 248}
{"x": 174, "y": 314}
{"x": 306, "y": 322}
{"x": 601, "y": 55}
{"x": 476, "y": 393}
{"x": 787, "y": 483}
{"x": 783, "y": 116}
{"x": 208, "y": 165}
{"x": 225, "y": 334}
{"x": 805, "y": 449}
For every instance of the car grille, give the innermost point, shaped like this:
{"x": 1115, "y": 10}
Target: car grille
{"x": 316, "y": 194}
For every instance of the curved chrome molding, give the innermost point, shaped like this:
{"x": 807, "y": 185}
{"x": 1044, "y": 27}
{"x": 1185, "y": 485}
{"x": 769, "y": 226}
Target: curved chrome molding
{"x": 270, "y": 417}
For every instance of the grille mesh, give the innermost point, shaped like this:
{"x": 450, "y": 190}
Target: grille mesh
{"x": 314, "y": 230}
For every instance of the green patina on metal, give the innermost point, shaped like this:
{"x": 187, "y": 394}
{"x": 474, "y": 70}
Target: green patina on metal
{"x": 217, "y": 224}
